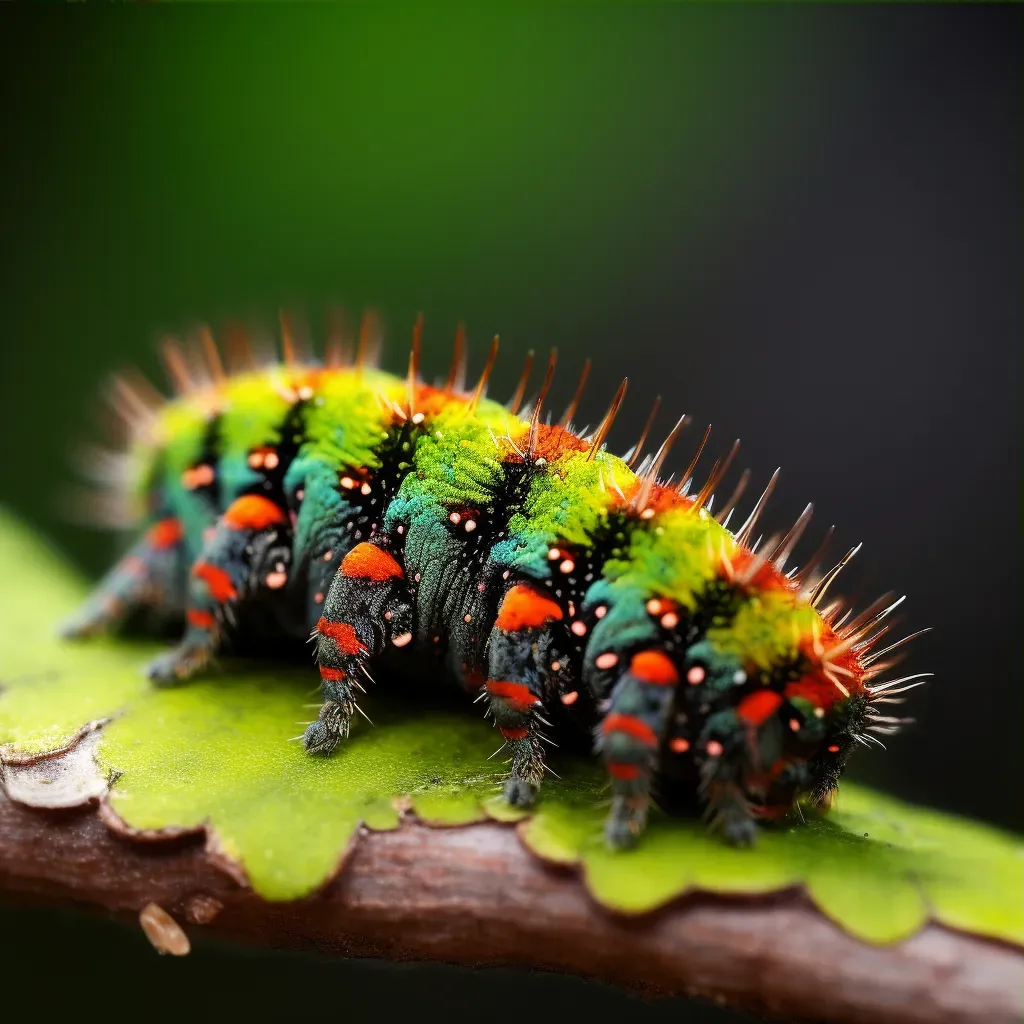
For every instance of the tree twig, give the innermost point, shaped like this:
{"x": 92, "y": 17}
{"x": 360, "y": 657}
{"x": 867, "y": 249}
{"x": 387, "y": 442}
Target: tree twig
{"x": 474, "y": 895}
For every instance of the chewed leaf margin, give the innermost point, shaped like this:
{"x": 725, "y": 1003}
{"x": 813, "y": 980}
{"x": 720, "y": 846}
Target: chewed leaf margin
{"x": 215, "y": 756}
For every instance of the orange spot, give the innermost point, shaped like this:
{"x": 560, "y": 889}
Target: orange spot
{"x": 655, "y": 668}
{"x": 758, "y": 706}
{"x": 833, "y": 748}
{"x": 263, "y": 458}
{"x": 165, "y": 534}
{"x": 200, "y": 619}
{"x": 621, "y": 770}
{"x": 679, "y": 745}
{"x": 551, "y": 443}
{"x": 518, "y": 696}
{"x": 570, "y": 698}
{"x": 371, "y": 562}
{"x": 524, "y": 608}
{"x": 219, "y": 582}
{"x": 331, "y": 675}
{"x": 342, "y": 634}
{"x": 252, "y": 512}
{"x": 631, "y": 726}
{"x": 514, "y": 734}
{"x": 198, "y": 476}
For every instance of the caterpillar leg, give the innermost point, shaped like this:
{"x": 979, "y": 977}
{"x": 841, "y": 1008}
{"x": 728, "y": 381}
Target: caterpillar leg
{"x": 629, "y": 738}
{"x": 150, "y": 574}
{"x": 735, "y": 755}
{"x": 368, "y": 606}
{"x": 232, "y": 565}
{"x": 518, "y": 660}
{"x": 731, "y": 813}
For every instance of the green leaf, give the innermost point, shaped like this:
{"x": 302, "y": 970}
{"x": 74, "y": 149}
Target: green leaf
{"x": 219, "y": 753}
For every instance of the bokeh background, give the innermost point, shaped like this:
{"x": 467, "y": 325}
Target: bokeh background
{"x": 801, "y": 224}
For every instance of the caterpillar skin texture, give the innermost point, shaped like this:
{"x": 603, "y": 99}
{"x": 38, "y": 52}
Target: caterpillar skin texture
{"x": 544, "y": 573}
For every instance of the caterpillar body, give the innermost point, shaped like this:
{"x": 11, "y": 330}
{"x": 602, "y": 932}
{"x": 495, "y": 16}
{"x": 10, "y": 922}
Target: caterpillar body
{"x": 544, "y": 573}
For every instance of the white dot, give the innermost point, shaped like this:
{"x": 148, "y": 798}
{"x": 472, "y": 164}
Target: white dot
{"x": 470, "y": 525}
{"x": 648, "y": 513}
{"x": 739, "y": 678}
{"x": 554, "y": 554}
{"x": 418, "y": 418}
{"x": 365, "y": 489}
{"x": 606, "y": 660}
{"x": 579, "y": 628}
{"x": 601, "y": 611}
{"x": 567, "y": 565}
{"x": 696, "y": 675}
{"x": 669, "y": 620}
{"x": 455, "y": 518}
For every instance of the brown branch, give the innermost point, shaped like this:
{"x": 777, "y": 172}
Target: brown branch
{"x": 474, "y": 895}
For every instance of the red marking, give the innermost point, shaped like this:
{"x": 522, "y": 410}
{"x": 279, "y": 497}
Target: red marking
{"x": 200, "y": 619}
{"x": 819, "y": 690}
{"x": 759, "y": 706}
{"x": 252, "y": 512}
{"x": 570, "y": 698}
{"x": 524, "y": 608}
{"x": 331, "y": 675}
{"x": 514, "y": 734}
{"x": 655, "y": 668}
{"x": 222, "y": 589}
{"x": 370, "y": 562}
{"x": 518, "y": 696}
{"x": 833, "y": 748}
{"x": 621, "y": 770}
{"x": 631, "y": 726}
{"x": 342, "y": 634}
{"x": 165, "y": 534}
{"x": 679, "y": 745}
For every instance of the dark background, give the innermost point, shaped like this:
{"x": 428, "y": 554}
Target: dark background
{"x": 800, "y": 224}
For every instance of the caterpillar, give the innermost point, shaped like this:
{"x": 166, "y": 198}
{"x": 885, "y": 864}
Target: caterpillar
{"x": 550, "y": 578}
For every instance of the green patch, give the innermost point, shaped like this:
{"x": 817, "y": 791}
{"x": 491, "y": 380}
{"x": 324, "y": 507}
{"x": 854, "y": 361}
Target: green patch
{"x": 220, "y": 753}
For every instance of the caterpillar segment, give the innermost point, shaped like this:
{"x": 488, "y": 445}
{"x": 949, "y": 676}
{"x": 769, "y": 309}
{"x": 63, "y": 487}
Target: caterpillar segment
{"x": 551, "y": 579}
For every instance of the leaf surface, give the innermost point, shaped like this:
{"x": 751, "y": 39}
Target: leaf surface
{"x": 221, "y": 753}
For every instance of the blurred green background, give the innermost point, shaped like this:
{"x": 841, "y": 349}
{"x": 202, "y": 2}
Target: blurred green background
{"x": 801, "y": 224}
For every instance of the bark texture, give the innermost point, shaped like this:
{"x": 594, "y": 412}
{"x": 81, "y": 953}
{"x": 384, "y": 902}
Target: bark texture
{"x": 474, "y": 895}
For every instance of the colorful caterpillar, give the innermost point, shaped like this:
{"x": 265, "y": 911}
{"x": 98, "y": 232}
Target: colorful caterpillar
{"x": 542, "y": 572}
